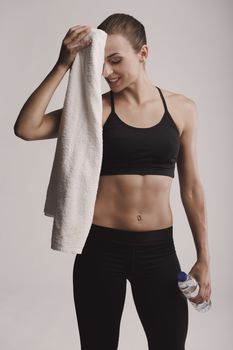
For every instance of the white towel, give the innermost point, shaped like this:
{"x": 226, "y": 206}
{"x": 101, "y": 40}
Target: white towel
{"x": 74, "y": 178}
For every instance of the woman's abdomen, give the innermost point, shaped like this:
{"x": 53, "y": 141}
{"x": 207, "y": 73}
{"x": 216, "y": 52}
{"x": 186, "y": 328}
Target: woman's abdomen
{"x": 133, "y": 202}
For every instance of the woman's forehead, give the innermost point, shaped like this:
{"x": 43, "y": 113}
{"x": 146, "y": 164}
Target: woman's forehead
{"x": 116, "y": 43}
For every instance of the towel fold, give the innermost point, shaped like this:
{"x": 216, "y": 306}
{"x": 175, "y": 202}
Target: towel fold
{"x": 73, "y": 184}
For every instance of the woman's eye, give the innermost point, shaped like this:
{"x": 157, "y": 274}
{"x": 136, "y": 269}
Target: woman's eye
{"x": 114, "y": 62}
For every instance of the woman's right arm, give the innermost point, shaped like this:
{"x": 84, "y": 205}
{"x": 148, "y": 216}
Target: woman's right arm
{"x": 32, "y": 122}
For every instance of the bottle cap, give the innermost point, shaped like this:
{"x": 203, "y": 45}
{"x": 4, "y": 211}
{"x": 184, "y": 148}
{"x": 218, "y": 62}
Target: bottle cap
{"x": 182, "y": 276}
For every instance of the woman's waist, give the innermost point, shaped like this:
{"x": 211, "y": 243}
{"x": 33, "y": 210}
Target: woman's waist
{"x": 138, "y": 216}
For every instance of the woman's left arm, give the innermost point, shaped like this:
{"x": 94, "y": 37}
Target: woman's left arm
{"x": 193, "y": 198}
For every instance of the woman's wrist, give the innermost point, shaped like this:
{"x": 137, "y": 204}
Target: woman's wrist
{"x": 61, "y": 67}
{"x": 204, "y": 258}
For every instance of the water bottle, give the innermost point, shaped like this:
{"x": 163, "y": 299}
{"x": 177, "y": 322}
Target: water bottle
{"x": 189, "y": 286}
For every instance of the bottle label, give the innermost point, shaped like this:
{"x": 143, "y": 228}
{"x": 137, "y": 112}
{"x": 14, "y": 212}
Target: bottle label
{"x": 189, "y": 288}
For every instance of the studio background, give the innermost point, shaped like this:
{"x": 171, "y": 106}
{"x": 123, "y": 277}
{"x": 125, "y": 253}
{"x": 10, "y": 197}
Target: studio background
{"x": 190, "y": 52}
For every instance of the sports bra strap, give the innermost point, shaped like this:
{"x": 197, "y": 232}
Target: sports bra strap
{"x": 163, "y": 99}
{"x": 112, "y": 101}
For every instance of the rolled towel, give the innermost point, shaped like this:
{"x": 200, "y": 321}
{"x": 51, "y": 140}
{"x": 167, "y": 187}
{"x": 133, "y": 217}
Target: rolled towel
{"x": 73, "y": 184}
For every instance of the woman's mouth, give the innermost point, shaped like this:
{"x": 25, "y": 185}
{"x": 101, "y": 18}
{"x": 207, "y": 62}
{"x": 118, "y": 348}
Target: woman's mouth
{"x": 113, "y": 82}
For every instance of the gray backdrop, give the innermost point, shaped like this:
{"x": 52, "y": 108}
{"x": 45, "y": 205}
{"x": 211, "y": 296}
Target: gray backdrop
{"x": 190, "y": 51}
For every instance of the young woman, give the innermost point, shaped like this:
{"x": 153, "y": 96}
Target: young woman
{"x": 146, "y": 131}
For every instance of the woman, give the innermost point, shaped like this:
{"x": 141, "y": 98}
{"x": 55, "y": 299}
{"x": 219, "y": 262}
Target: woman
{"x": 131, "y": 236}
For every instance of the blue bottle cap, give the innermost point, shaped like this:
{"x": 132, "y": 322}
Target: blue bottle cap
{"x": 182, "y": 276}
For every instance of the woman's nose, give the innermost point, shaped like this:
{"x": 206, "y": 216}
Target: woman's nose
{"x": 107, "y": 70}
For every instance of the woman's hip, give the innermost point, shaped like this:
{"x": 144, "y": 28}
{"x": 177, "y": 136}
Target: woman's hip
{"x": 128, "y": 252}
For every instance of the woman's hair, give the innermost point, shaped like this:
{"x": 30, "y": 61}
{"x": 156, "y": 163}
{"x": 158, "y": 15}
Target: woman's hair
{"x": 127, "y": 26}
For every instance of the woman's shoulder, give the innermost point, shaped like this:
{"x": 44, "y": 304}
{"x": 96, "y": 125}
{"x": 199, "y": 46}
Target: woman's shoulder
{"x": 177, "y": 96}
{"x": 180, "y": 106}
{"x": 178, "y": 102}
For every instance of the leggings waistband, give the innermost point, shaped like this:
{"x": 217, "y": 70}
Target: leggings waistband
{"x": 115, "y": 234}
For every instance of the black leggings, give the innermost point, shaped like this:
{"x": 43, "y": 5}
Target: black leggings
{"x": 148, "y": 260}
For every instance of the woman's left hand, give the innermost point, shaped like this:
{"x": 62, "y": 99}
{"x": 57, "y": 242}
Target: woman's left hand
{"x": 201, "y": 272}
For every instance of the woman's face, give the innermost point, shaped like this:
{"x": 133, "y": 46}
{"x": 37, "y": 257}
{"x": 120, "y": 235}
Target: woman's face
{"x": 120, "y": 62}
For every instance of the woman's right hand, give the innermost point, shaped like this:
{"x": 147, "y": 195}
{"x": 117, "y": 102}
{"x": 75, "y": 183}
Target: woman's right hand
{"x": 74, "y": 40}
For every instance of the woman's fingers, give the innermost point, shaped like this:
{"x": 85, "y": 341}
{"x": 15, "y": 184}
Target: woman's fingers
{"x": 72, "y": 43}
{"x": 74, "y": 33}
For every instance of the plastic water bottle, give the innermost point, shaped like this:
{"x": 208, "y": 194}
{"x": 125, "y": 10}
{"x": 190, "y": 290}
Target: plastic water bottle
{"x": 189, "y": 286}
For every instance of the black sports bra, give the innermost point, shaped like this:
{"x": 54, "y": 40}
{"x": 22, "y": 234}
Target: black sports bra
{"x": 132, "y": 150}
